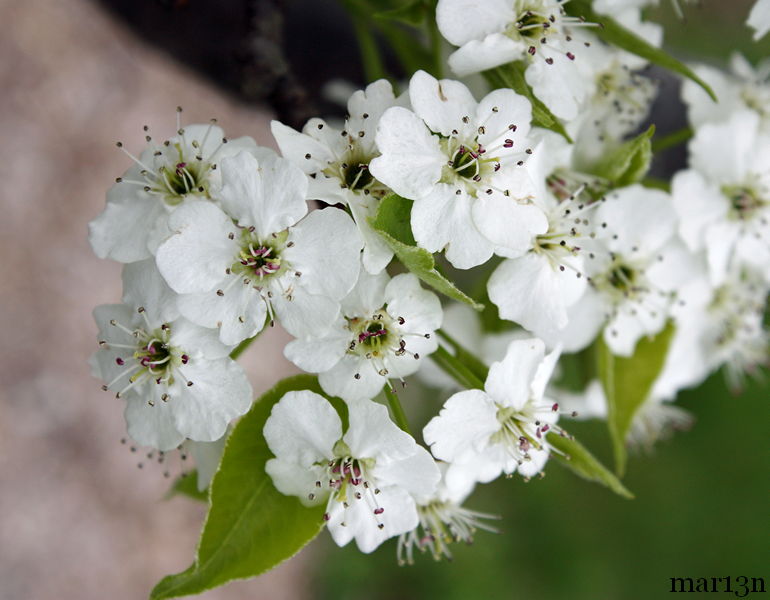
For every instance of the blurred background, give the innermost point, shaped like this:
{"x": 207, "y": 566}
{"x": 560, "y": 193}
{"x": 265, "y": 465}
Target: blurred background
{"x": 80, "y": 519}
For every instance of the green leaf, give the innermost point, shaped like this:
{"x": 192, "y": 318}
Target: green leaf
{"x": 614, "y": 33}
{"x": 627, "y": 383}
{"x": 251, "y": 527}
{"x": 392, "y": 223}
{"x": 187, "y": 485}
{"x": 412, "y": 13}
{"x": 580, "y": 461}
{"x": 629, "y": 162}
{"x": 511, "y": 76}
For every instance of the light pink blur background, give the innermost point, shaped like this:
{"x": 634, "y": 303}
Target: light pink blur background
{"x": 78, "y": 519}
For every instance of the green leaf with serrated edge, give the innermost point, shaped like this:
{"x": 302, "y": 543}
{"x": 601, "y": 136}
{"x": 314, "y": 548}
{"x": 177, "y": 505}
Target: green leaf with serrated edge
{"x": 187, "y": 485}
{"x": 614, "y": 33}
{"x": 392, "y": 223}
{"x": 580, "y": 461}
{"x": 629, "y": 162}
{"x": 511, "y": 76}
{"x": 251, "y": 527}
{"x": 627, "y": 383}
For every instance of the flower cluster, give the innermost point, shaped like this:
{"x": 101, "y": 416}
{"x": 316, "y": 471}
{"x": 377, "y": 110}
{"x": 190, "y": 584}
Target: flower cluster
{"x": 576, "y": 249}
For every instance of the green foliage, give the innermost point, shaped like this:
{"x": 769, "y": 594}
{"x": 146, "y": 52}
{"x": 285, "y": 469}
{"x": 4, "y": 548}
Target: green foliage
{"x": 580, "y": 461}
{"x": 251, "y": 527}
{"x": 614, "y": 33}
{"x": 392, "y": 223}
{"x": 629, "y": 162}
{"x": 187, "y": 485}
{"x": 627, "y": 383}
{"x": 511, "y": 76}
{"x": 412, "y": 13}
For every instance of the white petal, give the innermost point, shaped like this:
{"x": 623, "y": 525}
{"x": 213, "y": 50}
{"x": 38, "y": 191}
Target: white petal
{"x": 586, "y": 318}
{"x": 534, "y": 293}
{"x": 292, "y": 480}
{"x": 461, "y": 21}
{"x": 444, "y": 105}
{"x": 319, "y": 354}
{"x": 507, "y": 223}
{"x": 698, "y": 204}
{"x": 372, "y": 434}
{"x": 418, "y": 473}
{"x": 411, "y": 159}
{"x": 340, "y": 380}
{"x": 377, "y": 254}
{"x": 303, "y": 314}
{"x": 509, "y": 381}
{"x": 479, "y": 55}
{"x": 302, "y": 428}
{"x": 238, "y": 314}
{"x": 326, "y": 252}
{"x": 143, "y": 286}
{"x": 206, "y": 456}
{"x": 194, "y": 258}
{"x": 367, "y": 296}
{"x": 121, "y": 231}
{"x": 465, "y": 423}
{"x": 220, "y": 393}
{"x": 268, "y": 195}
{"x": 399, "y": 516}
{"x": 443, "y": 220}
{"x": 152, "y": 425}
{"x": 420, "y": 308}
{"x": 759, "y": 19}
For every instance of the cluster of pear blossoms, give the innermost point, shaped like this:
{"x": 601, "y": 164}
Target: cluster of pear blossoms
{"x": 218, "y": 241}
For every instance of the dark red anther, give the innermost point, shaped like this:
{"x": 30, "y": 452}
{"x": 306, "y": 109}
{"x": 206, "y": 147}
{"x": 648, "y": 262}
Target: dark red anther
{"x": 120, "y": 361}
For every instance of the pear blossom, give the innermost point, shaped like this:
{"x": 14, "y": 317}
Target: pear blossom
{"x": 539, "y": 32}
{"x": 723, "y": 200}
{"x": 261, "y": 256}
{"x": 759, "y": 19}
{"x": 743, "y": 87}
{"x": 385, "y": 329}
{"x": 365, "y": 477}
{"x": 176, "y": 377}
{"x": 443, "y": 520}
{"x": 536, "y": 289}
{"x": 459, "y": 161}
{"x": 337, "y": 163}
{"x": 502, "y": 428}
{"x": 164, "y": 176}
{"x": 634, "y": 272}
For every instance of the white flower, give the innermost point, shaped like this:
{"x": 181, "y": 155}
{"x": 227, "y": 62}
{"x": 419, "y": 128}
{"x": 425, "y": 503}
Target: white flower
{"x": 385, "y": 329}
{"x": 634, "y": 272}
{"x": 496, "y": 32}
{"x": 262, "y": 258}
{"x": 163, "y": 177}
{"x": 458, "y": 160}
{"x": 536, "y": 289}
{"x": 337, "y": 163}
{"x": 744, "y": 87}
{"x": 443, "y": 520}
{"x": 365, "y": 477}
{"x": 723, "y": 200}
{"x": 502, "y": 428}
{"x": 759, "y": 19}
{"x": 176, "y": 377}
{"x": 715, "y": 327}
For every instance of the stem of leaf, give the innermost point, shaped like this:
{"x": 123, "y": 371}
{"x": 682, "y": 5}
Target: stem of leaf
{"x": 396, "y": 409}
{"x": 453, "y": 367}
{"x": 672, "y": 139}
{"x": 468, "y": 358}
